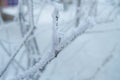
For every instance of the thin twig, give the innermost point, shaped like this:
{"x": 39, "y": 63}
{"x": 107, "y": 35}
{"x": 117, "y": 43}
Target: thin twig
{"x": 16, "y": 52}
{"x": 15, "y": 61}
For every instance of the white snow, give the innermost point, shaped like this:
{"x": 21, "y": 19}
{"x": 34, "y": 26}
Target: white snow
{"x": 94, "y": 55}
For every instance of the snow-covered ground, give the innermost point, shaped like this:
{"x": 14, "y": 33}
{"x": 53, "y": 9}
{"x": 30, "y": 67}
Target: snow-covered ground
{"x": 93, "y": 55}
{"x": 88, "y": 53}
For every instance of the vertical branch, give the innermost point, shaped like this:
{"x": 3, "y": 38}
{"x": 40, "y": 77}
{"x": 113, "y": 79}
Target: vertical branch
{"x": 33, "y": 42}
{"x": 93, "y": 8}
{"x": 31, "y": 45}
{"x": 55, "y": 30}
{"x": 1, "y": 20}
{"x": 78, "y": 13}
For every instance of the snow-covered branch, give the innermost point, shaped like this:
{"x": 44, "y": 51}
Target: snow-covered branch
{"x": 17, "y": 51}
